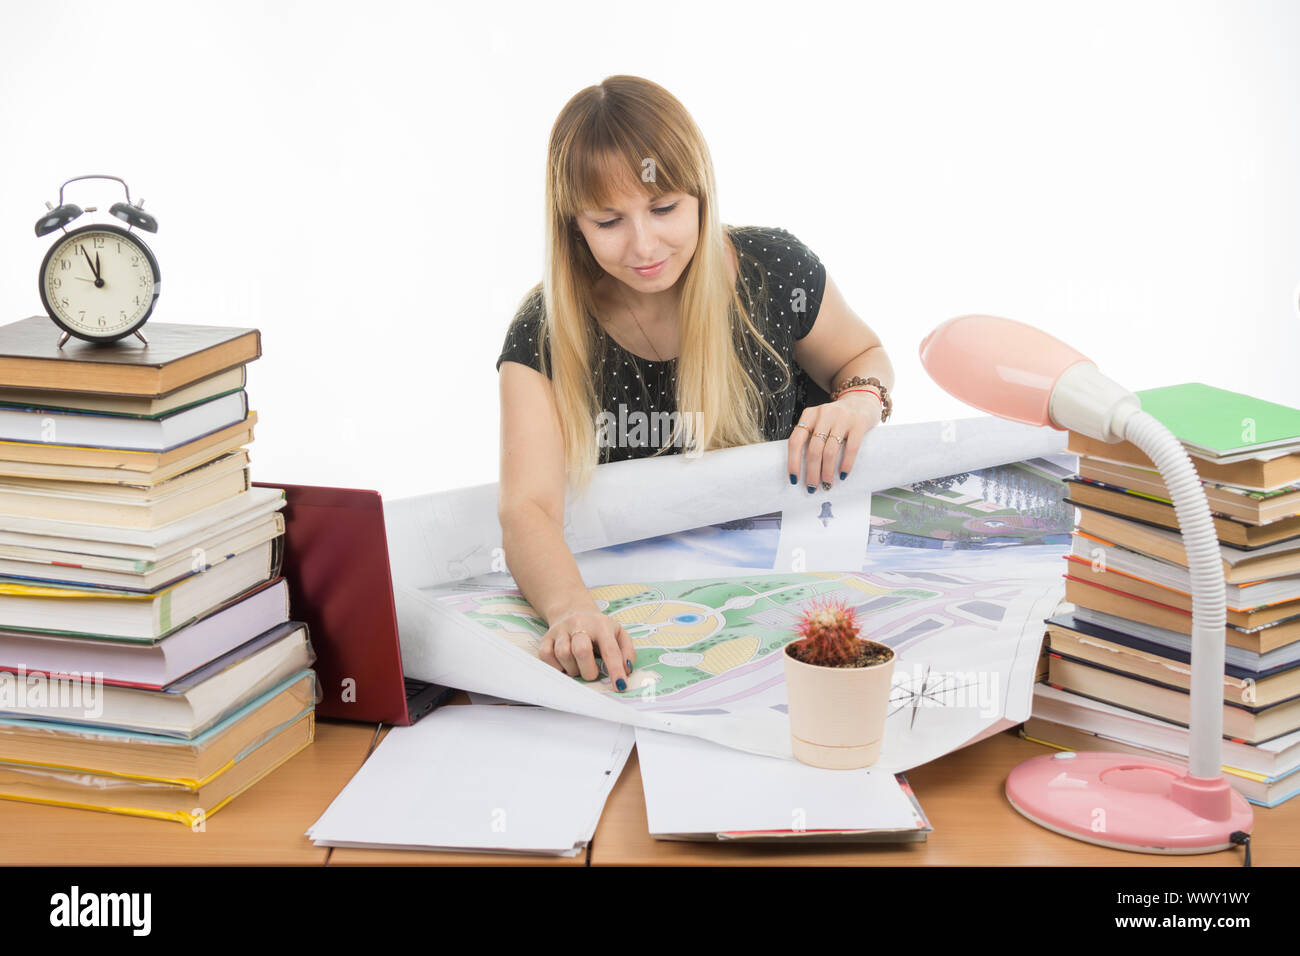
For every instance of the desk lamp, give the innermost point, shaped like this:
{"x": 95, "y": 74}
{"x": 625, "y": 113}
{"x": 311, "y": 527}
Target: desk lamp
{"x": 1015, "y": 371}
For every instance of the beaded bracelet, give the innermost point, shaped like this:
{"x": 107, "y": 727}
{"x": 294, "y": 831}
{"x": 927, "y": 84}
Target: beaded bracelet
{"x": 886, "y": 404}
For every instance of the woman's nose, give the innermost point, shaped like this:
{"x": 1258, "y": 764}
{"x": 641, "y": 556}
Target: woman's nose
{"x": 644, "y": 242}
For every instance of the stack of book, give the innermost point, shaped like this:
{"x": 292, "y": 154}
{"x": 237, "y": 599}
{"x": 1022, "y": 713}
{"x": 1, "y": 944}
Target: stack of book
{"x": 148, "y": 664}
{"x": 1119, "y": 664}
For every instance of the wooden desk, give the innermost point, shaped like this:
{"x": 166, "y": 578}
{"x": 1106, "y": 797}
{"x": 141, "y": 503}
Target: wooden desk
{"x": 264, "y": 825}
{"x": 963, "y": 796}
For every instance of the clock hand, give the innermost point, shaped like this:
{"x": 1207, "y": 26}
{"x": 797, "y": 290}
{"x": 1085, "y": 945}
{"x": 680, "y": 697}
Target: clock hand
{"x": 94, "y": 267}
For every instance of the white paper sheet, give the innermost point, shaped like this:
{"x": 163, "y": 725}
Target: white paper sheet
{"x": 454, "y": 535}
{"x": 693, "y": 786}
{"x": 509, "y": 779}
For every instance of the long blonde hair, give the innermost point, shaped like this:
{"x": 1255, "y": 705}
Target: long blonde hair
{"x": 603, "y": 137}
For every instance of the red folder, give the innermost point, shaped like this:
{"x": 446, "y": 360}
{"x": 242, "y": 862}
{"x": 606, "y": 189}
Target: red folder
{"x": 340, "y": 585}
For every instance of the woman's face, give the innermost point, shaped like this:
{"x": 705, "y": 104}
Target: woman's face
{"x": 635, "y": 232}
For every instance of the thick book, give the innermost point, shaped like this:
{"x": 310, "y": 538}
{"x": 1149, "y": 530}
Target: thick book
{"x": 214, "y": 386}
{"x": 81, "y": 463}
{"x": 1274, "y": 561}
{"x": 1252, "y": 507}
{"x": 149, "y": 665}
{"x": 1253, "y": 649}
{"x": 122, "y": 506}
{"x": 165, "y": 760}
{"x": 95, "y": 430}
{"x": 1255, "y": 474}
{"x": 1089, "y": 594}
{"x": 1247, "y": 595}
{"x": 1245, "y": 618}
{"x": 145, "y": 544}
{"x": 1250, "y": 724}
{"x": 1152, "y": 510}
{"x": 110, "y": 614}
{"x": 179, "y": 801}
{"x": 130, "y": 487}
{"x": 1163, "y": 665}
{"x": 28, "y": 565}
{"x": 185, "y": 708}
{"x": 176, "y": 356}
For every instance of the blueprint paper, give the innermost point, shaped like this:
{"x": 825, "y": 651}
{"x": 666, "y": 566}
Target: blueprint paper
{"x": 455, "y": 535}
{"x": 956, "y": 567}
{"x": 708, "y": 652}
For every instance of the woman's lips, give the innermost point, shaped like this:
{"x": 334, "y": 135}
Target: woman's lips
{"x": 653, "y": 270}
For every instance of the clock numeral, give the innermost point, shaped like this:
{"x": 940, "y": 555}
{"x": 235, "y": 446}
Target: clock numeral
{"x": 101, "y": 321}
{"x": 135, "y": 262}
{"x": 64, "y": 300}
{"x": 65, "y": 264}
{"x": 56, "y": 282}
{"x": 124, "y": 316}
{"x": 98, "y": 242}
{"x": 144, "y": 281}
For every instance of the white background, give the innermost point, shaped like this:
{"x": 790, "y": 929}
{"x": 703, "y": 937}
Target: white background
{"x": 363, "y": 182}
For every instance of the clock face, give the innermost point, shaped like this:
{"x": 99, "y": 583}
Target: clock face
{"x": 99, "y": 282}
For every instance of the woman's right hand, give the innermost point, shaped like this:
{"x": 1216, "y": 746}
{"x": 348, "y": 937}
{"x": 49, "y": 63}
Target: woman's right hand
{"x": 575, "y": 639}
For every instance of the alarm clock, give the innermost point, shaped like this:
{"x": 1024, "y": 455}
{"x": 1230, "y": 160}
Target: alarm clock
{"x": 99, "y": 282}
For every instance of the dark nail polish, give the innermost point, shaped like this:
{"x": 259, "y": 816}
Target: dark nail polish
{"x": 630, "y": 668}
{"x": 826, "y": 486}
{"x": 843, "y": 475}
{"x": 794, "y": 479}
{"x": 811, "y": 489}
{"x": 620, "y": 684}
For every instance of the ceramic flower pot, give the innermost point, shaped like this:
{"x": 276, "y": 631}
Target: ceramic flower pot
{"x": 837, "y": 714}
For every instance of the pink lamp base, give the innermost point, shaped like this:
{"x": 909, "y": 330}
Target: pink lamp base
{"x": 1128, "y": 802}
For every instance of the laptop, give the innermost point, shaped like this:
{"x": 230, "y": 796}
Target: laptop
{"x": 341, "y": 587}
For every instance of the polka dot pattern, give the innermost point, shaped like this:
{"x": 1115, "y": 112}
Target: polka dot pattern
{"x": 782, "y": 283}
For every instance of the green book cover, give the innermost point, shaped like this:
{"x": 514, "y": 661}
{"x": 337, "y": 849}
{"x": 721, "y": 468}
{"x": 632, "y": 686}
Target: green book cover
{"x": 1221, "y": 422}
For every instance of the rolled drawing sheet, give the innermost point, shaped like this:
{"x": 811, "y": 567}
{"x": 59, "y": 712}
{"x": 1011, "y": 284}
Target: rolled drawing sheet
{"x": 452, "y": 535}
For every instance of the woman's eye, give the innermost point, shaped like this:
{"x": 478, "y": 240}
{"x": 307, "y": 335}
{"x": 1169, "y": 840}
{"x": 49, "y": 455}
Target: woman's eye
{"x": 662, "y": 210}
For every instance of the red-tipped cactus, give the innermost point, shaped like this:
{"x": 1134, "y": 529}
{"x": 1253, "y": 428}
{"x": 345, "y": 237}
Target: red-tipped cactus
{"x": 828, "y": 635}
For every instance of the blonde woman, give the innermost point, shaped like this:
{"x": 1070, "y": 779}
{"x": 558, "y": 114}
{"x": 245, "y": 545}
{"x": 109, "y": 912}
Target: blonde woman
{"x": 651, "y": 310}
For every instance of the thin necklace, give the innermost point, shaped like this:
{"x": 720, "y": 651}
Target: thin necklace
{"x": 640, "y": 329}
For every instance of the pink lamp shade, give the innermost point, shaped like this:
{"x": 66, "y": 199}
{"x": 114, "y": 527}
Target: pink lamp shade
{"x": 1000, "y": 366}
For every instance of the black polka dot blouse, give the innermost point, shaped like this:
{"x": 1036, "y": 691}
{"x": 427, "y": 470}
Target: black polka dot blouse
{"x": 781, "y": 282}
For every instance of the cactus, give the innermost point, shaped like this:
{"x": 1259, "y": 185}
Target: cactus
{"x": 828, "y": 635}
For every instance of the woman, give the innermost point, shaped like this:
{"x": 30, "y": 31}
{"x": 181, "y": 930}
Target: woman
{"x": 650, "y": 306}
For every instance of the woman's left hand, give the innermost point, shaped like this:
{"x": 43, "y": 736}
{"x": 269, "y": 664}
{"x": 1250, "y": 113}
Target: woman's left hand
{"x": 849, "y": 420}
